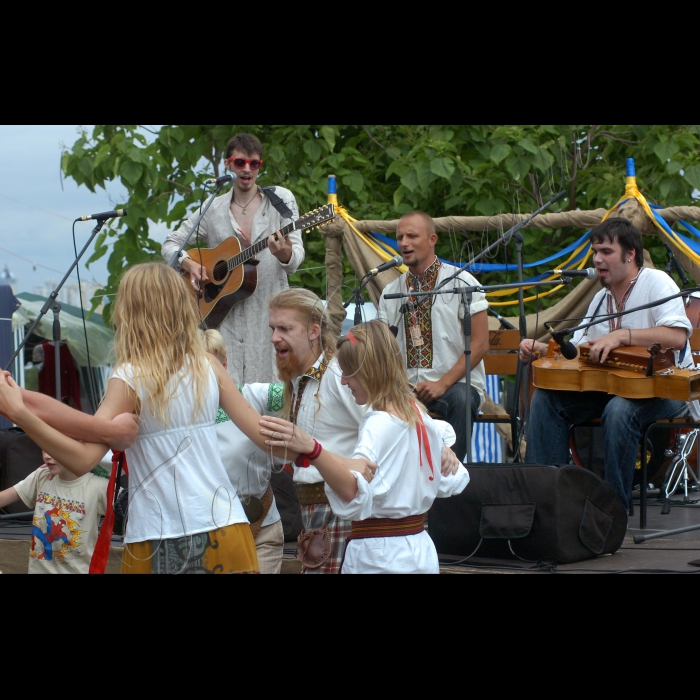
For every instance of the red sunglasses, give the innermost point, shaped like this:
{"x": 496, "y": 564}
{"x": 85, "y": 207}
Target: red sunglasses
{"x": 254, "y": 163}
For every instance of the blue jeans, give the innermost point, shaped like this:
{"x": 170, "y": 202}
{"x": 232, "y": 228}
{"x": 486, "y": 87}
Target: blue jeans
{"x": 622, "y": 420}
{"x": 452, "y": 406}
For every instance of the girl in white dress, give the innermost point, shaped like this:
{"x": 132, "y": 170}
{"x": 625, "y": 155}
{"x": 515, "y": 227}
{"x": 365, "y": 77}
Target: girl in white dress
{"x": 184, "y": 513}
{"x": 387, "y": 507}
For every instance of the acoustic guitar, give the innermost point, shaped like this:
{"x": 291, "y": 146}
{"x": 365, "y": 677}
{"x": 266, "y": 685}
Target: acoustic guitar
{"x": 232, "y": 271}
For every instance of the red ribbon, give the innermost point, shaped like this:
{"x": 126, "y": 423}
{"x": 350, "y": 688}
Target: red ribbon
{"x": 423, "y": 439}
{"x": 100, "y": 554}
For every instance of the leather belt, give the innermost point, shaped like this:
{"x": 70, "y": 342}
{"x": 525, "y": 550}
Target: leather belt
{"x": 311, "y": 494}
{"x": 387, "y": 527}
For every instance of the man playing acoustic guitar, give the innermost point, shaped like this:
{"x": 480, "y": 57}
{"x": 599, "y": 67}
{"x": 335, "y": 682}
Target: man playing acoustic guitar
{"x": 253, "y": 215}
{"x": 618, "y": 258}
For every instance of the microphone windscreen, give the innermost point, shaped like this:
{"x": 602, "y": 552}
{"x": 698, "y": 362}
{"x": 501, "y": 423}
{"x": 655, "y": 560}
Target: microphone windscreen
{"x": 569, "y": 350}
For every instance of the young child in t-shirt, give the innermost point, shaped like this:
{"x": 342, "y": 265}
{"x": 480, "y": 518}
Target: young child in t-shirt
{"x": 67, "y": 511}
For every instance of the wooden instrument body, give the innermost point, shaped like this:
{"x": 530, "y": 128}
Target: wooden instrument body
{"x": 624, "y": 375}
{"x": 232, "y": 270}
{"x": 225, "y": 288}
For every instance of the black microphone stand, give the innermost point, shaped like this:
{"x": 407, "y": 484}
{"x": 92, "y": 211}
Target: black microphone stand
{"x": 466, "y": 297}
{"x": 51, "y": 302}
{"x": 673, "y": 264}
{"x": 56, "y": 308}
{"x": 638, "y": 539}
{"x": 559, "y": 335}
{"x": 358, "y": 299}
{"x": 175, "y": 257}
{"x": 522, "y": 371}
{"x": 512, "y": 233}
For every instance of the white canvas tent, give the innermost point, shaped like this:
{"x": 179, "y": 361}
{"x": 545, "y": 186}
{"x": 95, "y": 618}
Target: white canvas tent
{"x": 94, "y": 359}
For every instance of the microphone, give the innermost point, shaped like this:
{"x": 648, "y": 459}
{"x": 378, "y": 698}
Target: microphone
{"x": 504, "y": 322}
{"x": 104, "y": 215}
{"x": 568, "y": 349}
{"x": 396, "y": 260}
{"x": 223, "y": 179}
{"x": 589, "y": 273}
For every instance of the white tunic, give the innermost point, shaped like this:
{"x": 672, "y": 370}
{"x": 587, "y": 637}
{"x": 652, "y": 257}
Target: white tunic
{"x": 329, "y": 414}
{"x": 177, "y": 482}
{"x": 251, "y": 355}
{"x": 446, "y": 314}
{"x": 248, "y": 467}
{"x": 402, "y": 486}
{"x": 651, "y": 286}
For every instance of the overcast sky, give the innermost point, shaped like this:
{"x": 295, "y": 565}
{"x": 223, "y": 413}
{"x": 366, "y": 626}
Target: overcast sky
{"x": 38, "y": 208}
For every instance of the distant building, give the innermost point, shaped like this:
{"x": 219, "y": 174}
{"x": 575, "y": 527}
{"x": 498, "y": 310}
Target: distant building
{"x": 6, "y": 277}
{"x": 70, "y": 293}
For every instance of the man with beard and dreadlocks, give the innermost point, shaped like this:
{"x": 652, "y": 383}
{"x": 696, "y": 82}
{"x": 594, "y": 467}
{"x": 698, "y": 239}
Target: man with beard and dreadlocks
{"x": 316, "y": 401}
{"x": 387, "y": 509}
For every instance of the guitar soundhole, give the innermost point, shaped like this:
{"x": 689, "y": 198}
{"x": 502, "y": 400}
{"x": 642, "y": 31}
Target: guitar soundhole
{"x": 220, "y": 271}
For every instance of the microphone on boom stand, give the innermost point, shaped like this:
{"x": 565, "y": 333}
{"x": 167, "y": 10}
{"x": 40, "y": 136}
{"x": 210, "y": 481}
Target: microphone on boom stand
{"x": 568, "y": 349}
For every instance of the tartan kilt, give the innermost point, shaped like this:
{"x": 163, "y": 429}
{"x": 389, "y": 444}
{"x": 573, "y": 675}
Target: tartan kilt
{"x": 339, "y": 530}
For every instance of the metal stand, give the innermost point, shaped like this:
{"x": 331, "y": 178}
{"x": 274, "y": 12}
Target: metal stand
{"x": 522, "y": 372}
{"x": 52, "y": 297}
{"x": 680, "y": 471}
{"x": 466, "y": 293}
{"x": 467, "y": 330}
{"x": 643, "y": 538}
{"x": 56, "y": 308}
{"x": 358, "y": 299}
{"x": 175, "y": 257}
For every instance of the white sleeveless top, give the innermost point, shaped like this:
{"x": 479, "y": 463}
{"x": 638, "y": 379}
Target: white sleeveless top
{"x": 177, "y": 482}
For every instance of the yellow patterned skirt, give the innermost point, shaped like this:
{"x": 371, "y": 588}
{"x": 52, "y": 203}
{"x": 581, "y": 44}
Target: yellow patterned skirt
{"x": 228, "y": 550}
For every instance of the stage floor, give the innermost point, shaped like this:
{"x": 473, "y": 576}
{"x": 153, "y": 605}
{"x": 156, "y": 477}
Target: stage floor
{"x": 667, "y": 554}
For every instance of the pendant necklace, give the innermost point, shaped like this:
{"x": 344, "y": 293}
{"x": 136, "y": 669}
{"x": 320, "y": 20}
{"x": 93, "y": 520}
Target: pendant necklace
{"x": 243, "y": 212}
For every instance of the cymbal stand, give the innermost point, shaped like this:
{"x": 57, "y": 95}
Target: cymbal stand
{"x": 680, "y": 472}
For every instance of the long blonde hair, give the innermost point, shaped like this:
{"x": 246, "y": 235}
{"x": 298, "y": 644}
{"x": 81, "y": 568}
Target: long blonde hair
{"x": 369, "y": 352}
{"x": 214, "y": 344}
{"x": 156, "y": 329}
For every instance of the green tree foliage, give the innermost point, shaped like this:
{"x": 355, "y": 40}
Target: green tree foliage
{"x": 383, "y": 171}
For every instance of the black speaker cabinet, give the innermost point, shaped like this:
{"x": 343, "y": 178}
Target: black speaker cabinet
{"x": 531, "y": 512}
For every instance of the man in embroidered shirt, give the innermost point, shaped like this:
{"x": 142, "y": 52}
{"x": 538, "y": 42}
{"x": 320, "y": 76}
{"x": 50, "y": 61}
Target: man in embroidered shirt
{"x": 248, "y": 213}
{"x": 431, "y": 335}
{"x": 317, "y": 401}
{"x": 618, "y": 258}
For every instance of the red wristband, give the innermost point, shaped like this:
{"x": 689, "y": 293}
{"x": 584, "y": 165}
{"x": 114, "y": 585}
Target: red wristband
{"x": 301, "y": 461}
{"x": 316, "y": 451}
{"x": 305, "y": 460}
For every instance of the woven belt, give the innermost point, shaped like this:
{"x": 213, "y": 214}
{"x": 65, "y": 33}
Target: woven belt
{"x": 288, "y": 468}
{"x": 386, "y": 527}
{"x": 266, "y": 502}
{"x": 311, "y": 494}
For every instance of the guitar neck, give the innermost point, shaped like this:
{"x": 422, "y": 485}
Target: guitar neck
{"x": 256, "y": 248}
